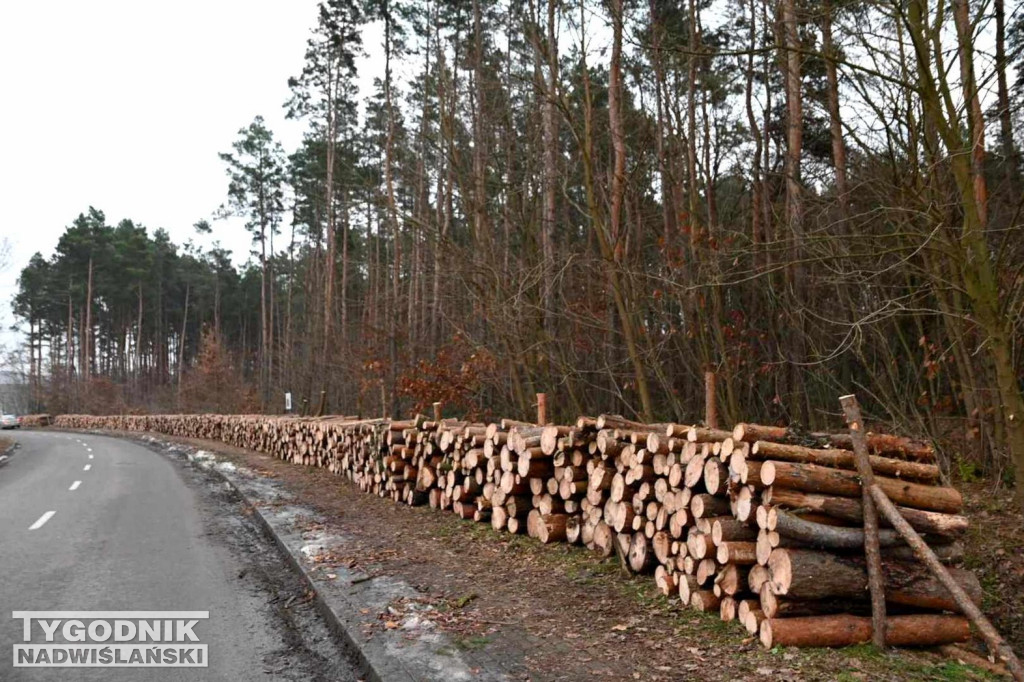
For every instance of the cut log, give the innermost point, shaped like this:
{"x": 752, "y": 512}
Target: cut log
{"x": 573, "y": 529}
{"x": 551, "y": 527}
{"x": 819, "y": 479}
{"x": 604, "y": 539}
{"x": 499, "y": 518}
{"x": 704, "y": 505}
{"x": 883, "y": 444}
{"x": 726, "y": 529}
{"x": 699, "y": 545}
{"x": 640, "y": 553}
{"x": 661, "y": 543}
{"x": 774, "y": 606}
{"x": 948, "y": 525}
{"x": 878, "y": 443}
{"x": 872, "y": 549}
{"x": 844, "y": 459}
{"x": 822, "y": 536}
{"x": 844, "y": 630}
{"x": 700, "y": 434}
{"x": 810, "y": 574}
{"x": 621, "y": 545}
{"x": 744, "y": 504}
{"x": 687, "y": 585}
{"x": 706, "y": 569}
{"x": 716, "y": 476}
{"x": 727, "y": 608}
{"x": 740, "y": 553}
{"x": 732, "y": 579}
{"x": 750, "y": 618}
{"x": 757, "y": 578}
{"x": 665, "y": 581}
{"x": 704, "y": 600}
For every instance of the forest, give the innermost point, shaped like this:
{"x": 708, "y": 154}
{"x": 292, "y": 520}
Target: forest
{"x": 600, "y": 201}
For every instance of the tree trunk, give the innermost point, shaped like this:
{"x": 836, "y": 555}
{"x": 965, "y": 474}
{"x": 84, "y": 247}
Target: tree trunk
{"x": 757, "y": 236}
{"x": 797, "y": 397}
{"x": 835, "y": 121}
{"x": 331, "y": 132}
{"x": 979, "y": 278}
{"x": 87, "y": 328}
{"x": 1004, "y": 112}
{"x": 389, "y": 184}
{"x": 551, "y": 152}
{"x": 181, "y": 341}
{"x": 612, "y": 249}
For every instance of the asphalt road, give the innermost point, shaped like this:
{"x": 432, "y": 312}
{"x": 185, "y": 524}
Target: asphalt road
{"x": 103, "y": 524}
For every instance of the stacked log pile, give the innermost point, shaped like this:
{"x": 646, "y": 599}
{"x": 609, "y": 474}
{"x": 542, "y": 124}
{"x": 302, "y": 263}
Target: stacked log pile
{"x": 800, "y": 494}
{"x": 759, "y": 524}
{"x": 34, "y": 420}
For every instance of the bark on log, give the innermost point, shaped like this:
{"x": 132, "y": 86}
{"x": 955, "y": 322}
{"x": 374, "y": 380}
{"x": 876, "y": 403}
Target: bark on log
{"x": 845, "y": 630}
{"x": 947, "y": 525}
{"x": 844, "y": 459}
{"x": 819, "y": 479}
{"x": 810, "y": 574}
{"x": 726, "y": 529}
{"x": 831, "y": 537}
{"x": 878, "y": 443}
{"x": 872, "y": 551}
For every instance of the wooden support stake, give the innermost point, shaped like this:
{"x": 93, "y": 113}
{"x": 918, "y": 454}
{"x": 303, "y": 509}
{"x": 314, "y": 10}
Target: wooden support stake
{"x": 437, "y": 411}
{"x": 872, "y": 552}
{"x": 996, "y": 644}
{"x": 710, "y": 404}
{"x": 542, "y": 409}
{"x": 323, "y": 404}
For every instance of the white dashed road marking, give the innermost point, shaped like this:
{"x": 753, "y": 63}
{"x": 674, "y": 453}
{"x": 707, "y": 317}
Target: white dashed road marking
{"x": 87, "y": 467}
{"x": 90, "y": 456}
{"x": 42, "y": 520}
{"x": 74, "y": 486}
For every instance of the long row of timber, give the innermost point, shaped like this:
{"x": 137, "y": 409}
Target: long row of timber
{"x": 760, "y": 524}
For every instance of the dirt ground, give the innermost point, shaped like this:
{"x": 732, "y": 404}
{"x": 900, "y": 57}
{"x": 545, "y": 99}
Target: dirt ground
{"x": 995, "y": 552}
{"x": 571, "y": 616}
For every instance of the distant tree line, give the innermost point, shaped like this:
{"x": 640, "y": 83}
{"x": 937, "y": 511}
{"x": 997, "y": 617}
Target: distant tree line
{"x": 599, "y": 200}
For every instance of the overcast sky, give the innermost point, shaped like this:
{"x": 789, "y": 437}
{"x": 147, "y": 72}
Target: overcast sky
{"x": 125, "y": 104}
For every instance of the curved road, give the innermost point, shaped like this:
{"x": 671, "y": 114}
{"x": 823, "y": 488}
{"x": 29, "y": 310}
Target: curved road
{"x": 102, "y": 524}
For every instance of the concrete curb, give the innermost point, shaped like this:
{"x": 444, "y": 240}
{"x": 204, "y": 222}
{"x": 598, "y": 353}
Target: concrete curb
{"x": 409, "y": 648}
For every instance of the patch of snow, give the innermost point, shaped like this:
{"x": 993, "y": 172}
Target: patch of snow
{"x": 415, "y": 622}
{"x": 310, "y": 551}
{"x": 201, "y": 456}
